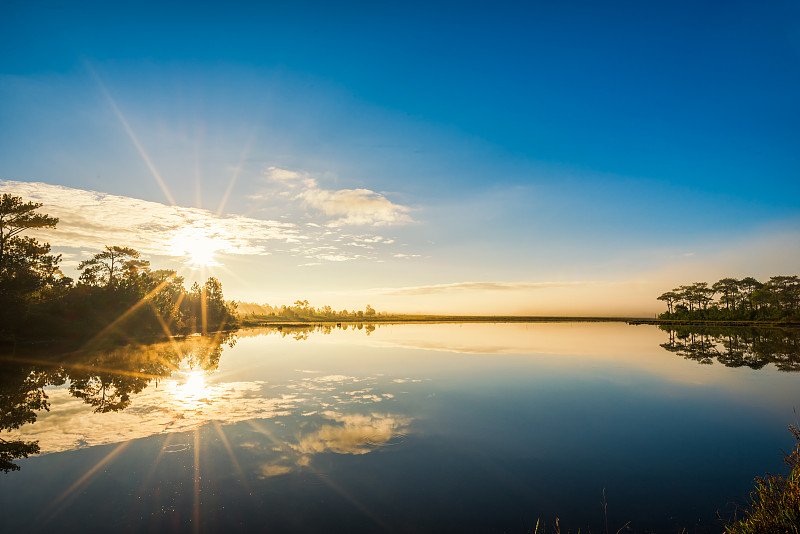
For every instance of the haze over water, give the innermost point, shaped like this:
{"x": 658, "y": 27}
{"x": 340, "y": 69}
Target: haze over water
{"x": 401, "y": 428}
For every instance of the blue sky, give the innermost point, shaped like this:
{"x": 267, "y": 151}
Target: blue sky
{"x": 580, "y": 156}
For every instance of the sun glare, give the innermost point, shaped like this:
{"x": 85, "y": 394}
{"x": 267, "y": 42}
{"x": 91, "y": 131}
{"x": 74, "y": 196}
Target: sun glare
{"x": 198, "y": 248}
{"x": 194, "y": 386}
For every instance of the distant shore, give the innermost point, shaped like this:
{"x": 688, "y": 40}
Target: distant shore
{"x": 265, "y": 320}
{"x": 700, "y": 322}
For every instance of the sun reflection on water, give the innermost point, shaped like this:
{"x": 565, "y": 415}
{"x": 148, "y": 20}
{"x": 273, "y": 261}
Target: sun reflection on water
{"x": 193, "y": 389}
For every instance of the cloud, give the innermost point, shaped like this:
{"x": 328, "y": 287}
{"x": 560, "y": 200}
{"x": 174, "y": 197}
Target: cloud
{"x": 289, "y": 178}
{"x": 480, "y": 286}
{"x": 356, "y": 206}
{"x": 350, "y": 207}
{"x": 91, "y": 220}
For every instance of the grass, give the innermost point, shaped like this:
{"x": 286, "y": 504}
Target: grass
{"x": 775, "y": 501}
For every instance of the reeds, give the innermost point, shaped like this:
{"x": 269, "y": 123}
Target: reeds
{"x": 775, "y": 501}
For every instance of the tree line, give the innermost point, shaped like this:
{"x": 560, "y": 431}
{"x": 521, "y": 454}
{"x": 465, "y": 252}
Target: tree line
{"x": 116, "y": 296}
{"x": 302, "y": 310}
{"x": 777, "y": 299}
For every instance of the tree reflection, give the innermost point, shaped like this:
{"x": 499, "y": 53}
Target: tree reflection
{"x": 22, "y": 395}
{"x": 736, "y": 347}
{"x": 301, "y": 332}
{"x": 107, "y": 380}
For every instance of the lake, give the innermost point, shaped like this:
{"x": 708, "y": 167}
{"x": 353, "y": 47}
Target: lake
{"x": 401, "y": 428}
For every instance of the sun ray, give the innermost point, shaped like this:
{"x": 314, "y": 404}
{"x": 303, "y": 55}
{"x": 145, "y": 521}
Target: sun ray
{"x": 196, "y": 502}
{"x": 198, "y": 190}
{"x": 338, "y": 489}
{"x": 132, "y": 135}
{"x": 128, "y": 312}
{"x": 355, "y": 502}
{"x": 229, "y": 273}
{"x": 78, "y": 366}
{"x": 203, "y": 309}
{"x": 261, "y": 430}
{"x": 146, "y": 483}
{"x": 229, "y": 449}
{"x": 52, "y": 510}
{"x": 236, "y": 171}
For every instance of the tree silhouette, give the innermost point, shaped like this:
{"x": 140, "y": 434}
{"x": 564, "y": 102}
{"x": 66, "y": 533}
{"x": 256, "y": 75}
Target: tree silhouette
{"x": 17, "y": 216}
{"x": 28, "y": 272}
{"x": 739, "y": 300}
{"x": 729, "y": 288}
{"x": 670, "y": 297}
{"x": 109, "y": 266}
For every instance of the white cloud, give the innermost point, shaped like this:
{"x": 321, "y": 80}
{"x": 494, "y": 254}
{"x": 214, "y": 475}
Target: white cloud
{"x": 356, "y": 207}
{"x": 289, "y": 178}
{"x": 350, "y": 207}
{"x": 91, "y": 220}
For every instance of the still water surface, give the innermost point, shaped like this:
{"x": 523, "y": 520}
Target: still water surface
{"x": 403, "y": 428}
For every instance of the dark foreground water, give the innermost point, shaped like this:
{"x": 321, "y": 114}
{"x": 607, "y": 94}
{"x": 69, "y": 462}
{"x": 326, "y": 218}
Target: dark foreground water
{"x": 401, "y": 428}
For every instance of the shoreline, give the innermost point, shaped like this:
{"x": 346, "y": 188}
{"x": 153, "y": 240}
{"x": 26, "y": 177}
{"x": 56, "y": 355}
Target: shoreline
{"x": 422, "y": 319}
{"x": 702, "y": 322}
{"x": 252, "y": 321}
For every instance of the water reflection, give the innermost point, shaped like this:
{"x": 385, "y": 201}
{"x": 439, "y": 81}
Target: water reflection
{"x": 133, "y": 392}
{"x": 104, "y": 379}
{"x": 310, "y": 428}
{"x": 736, "y": 346}
{"x": 301, "y": 332}
{"x": 328, "y": 432}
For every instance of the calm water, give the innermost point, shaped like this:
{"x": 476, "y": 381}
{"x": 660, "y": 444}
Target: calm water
{"x": 402, "y": 428}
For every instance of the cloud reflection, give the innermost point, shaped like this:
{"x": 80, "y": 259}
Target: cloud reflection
{"x": 71, "y": 424}
{"x": 354, "y": 433}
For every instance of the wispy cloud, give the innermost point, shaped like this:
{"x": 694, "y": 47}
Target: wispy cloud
{"x": 480, "y": 286}
{"x": 348, "y": 207}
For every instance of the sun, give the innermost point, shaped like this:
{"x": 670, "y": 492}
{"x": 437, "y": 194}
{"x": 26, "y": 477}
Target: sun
{"x": 198, "y": 248}
{"x": 201, "y": 252}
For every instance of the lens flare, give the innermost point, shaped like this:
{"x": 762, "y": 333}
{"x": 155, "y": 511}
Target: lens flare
{"x": 199, "y": 248}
